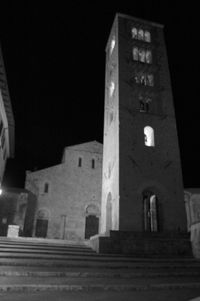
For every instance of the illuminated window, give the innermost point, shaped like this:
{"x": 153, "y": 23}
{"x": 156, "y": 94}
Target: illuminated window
{"x": 135, "y": 54}
{"x": 148, "y": 58}
{"x": 143, "y": 79}
{"x": 141, "y": 54}
{"x": 111, "y": 88}
{"x": 149, "y": 136}
{"x": 112, "y": 45}
{"x": 150, "y": 80}
{"x": 144, "y": 103}
{"x": 140, "y": 34}
{"x": 147, "y": 36}
{"x": 134, "y": 32}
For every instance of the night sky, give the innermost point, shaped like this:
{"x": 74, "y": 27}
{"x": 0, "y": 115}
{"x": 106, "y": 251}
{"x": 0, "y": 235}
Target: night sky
{"x": 55, "y": 62}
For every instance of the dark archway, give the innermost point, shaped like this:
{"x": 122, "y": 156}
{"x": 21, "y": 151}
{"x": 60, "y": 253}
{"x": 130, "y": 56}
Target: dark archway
{"x": 150, "y": 211}
{"x": 91, "y": 221}
{"x": 42, "y": 223}
{"x": 91, "y": 226}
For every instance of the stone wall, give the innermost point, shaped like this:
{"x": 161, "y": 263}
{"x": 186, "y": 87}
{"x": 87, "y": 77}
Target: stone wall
{"x": 67, "y": 193}
{"x": 192, "y": 205}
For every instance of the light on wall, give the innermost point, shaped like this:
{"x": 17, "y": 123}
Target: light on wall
{"x": 112, "y": 45}
{"x": 149, "y": 136}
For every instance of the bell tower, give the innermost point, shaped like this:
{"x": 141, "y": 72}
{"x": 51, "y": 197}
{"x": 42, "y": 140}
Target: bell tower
{"x": 142, "y": 188}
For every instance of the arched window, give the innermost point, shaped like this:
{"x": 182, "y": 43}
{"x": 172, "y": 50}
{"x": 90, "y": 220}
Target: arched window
{"x": 150, "y": 80}
{"x": 93, "y": 163}
{"x": 147, "y": 36}
{"x": 140, "y": 34}
{"x": 148, "y": 57}
{"x": 134, "y": 33}
{"x": 46, "y": 188}
{"x": 135, "y": 53}
{"x": 112, "y": 45}
{"x": 111, "y": 88}
{"x": 141, "y": 54}
{"x": 79, "y": 162}
{"x": 149, "y": 136}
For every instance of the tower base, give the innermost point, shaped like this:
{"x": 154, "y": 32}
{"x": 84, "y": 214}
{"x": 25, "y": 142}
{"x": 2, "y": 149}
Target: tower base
{"x": 143, "y": 244}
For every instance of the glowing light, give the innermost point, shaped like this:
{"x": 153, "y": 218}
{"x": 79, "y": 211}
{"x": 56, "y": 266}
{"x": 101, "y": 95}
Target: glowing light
{"x": 1, "y": 191}
{"x": 112, "y": 45}
{"x": 149, "y": 136}
{"x": 111, "y": 89}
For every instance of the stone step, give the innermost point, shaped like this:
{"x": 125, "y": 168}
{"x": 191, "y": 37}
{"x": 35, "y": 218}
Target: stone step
{"x": 103, "y": 274}
{"x": 93, "y": 280}
{"x": 30, "y": 244}
{"x": 95, "y": 286}
{"x": 29, "y": 254}
{"x": 73, "y": 263}
{"x": 39, "y": 250}
{"x": 26, "y": 245}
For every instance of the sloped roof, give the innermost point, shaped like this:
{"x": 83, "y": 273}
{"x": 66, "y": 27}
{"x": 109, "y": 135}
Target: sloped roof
{"x": 93, "y": 146}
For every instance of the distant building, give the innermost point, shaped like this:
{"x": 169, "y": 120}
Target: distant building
{"x": 69, "y": 194}
{"x": 192, "y": 205}
{"x": 17, "y": 207}
{"x": 7, "y": 124}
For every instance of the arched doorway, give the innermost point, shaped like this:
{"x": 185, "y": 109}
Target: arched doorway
{"x": 42, "y": 223}
{"x": 150, "y": 210}
{"x": 91, "y": 221}
{"x": 109, "y": 213}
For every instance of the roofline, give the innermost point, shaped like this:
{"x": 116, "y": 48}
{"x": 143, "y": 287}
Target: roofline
{"x": 140, "y": 20}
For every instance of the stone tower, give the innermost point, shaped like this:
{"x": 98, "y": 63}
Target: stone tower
{"x": 142, "y": 189}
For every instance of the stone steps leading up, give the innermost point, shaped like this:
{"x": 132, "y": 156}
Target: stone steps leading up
{"x": 33, "y": 266}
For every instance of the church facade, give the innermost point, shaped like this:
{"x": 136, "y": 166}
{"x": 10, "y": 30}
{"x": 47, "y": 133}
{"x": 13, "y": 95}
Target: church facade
{"x": 68, "y": 194}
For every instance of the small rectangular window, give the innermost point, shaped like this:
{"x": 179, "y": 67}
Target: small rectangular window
{"x": 93, "y": 163}
{"x": 46, "y": 188}
{"x": 79, "y": 162}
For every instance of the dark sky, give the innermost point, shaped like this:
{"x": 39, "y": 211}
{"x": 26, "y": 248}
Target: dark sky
{"x": 54, "y": 58}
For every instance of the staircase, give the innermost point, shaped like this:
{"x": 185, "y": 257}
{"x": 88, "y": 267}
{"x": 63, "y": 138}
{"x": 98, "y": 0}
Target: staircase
{"x": 38, "y": 265}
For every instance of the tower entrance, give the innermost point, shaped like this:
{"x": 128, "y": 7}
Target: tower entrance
{"x": 150, "y": 210}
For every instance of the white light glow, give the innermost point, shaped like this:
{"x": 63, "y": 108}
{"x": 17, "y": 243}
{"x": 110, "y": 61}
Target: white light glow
{"x": 149, "y": 136}
{"x": 111, "y": 89}
{"x": 112, "y": 45}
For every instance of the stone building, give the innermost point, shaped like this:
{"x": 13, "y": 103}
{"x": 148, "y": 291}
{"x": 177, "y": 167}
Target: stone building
{"x": 6, "y": 121}
{"x": 16, "y": 208}
{"x": 192, "y": 205}
{"x": 142, "y": 189}
{"x": 69, "y": 194}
